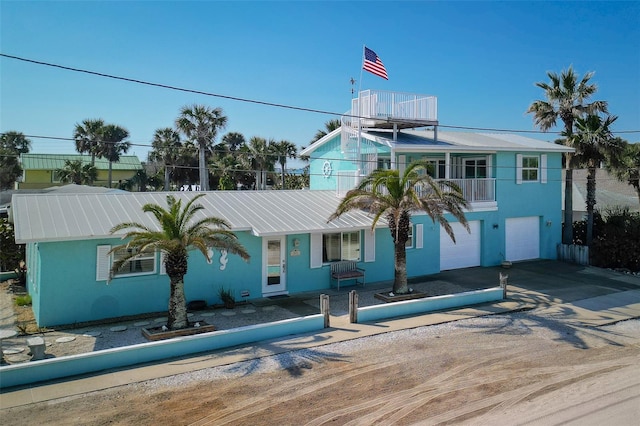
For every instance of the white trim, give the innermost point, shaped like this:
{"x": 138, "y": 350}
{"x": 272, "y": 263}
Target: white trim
{"x": 402, "y": 164}
{"x": 103, "y": 263}
{"x": 369, "y": 245}
{"x": 419, "y": 236}
{"x": 315, "y": 251}
{"x": 518, "y": 169}
{"x": 543, "y": 168}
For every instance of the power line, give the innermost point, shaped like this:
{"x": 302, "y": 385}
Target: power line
{"x": 254, "y": 101}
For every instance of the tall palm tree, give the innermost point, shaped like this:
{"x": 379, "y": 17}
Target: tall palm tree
{"x": 76, "y": 172}
{"x": 232, "y": 141}
{"x": 178, "y": 231}
{"x": 226, "y": 167}
{"x": 113, "y": 145}
{"x": 12, "y": 144}
{"x": 627, "y": 167}
{"x": 166, "y": 147}
{"x": 594, "y": 143}
{"x": 201, "y": 124}
{"x": 386, "y": 193}
{"x": 329, "y": 127}
{"x": 283, "y": 150}
{"x": 566, "y": 99}
{"x": 262, "y": 161}
{"x": 88, "y": 137}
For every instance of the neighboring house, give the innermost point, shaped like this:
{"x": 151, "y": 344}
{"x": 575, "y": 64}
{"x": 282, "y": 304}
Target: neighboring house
{"x": 39, "y": 170}
{"x": 513, "y": 184}
{"x": 610, "y": 193}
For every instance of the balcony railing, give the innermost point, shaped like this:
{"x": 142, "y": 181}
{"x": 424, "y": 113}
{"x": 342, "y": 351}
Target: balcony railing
{"x": 379, "y": 104}
{"x": 473, "y": 190}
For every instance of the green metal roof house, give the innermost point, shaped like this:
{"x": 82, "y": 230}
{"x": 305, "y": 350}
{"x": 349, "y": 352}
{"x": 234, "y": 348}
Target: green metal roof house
{"x": 39, "y": 170}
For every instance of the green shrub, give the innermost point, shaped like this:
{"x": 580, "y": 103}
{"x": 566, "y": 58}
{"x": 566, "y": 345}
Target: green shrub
{"x": 23, "y": 300}
{"x": 617, "y": 245}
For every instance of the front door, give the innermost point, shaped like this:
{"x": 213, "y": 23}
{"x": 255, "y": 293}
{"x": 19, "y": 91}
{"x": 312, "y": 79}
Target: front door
{"x": 274, "y": 270}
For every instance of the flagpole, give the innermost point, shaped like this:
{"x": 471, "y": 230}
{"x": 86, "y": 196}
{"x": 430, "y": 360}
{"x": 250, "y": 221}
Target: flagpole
{"x": 359, "y": 114}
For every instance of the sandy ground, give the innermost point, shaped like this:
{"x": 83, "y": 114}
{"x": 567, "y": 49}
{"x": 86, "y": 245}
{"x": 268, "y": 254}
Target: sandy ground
{"x": 521, "y": 368}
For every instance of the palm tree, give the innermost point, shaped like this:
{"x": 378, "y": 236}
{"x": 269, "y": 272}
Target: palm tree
{"x": 232, "y": 141}
{"x": 226, "y": 167}
{"x": 12, "y": 144}
{"x": 329, "y": 127}
{"x": 166, "y": 150}
{"x": 258, "y": 149}
{"x": 594, "y": 143}
{"x": 627, "y": 167}
{"x": 565, "y": 99}
{"x": 75, "y": 172}
{"x": 283, "y": 150}
{"x": 178, "y": 231}
{"x": 88, "y": 137}
{"x": 113, "y": 145}
{"x": 201, "y": 124}
{"x": 386, "y": 193}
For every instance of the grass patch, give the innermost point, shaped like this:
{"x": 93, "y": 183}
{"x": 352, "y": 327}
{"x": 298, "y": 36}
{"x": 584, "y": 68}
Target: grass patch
{"x": 24, "y": 300}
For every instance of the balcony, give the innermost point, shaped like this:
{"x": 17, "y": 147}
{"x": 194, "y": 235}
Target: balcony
{"x": 473, "y": 190}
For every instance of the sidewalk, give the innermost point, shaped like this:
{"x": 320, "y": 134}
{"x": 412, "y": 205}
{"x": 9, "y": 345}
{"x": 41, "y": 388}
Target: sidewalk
{"x": 582, "y": 296}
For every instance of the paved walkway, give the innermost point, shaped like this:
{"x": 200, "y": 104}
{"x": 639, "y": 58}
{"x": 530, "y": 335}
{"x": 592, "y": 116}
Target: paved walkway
{"x": 582, "y": 295}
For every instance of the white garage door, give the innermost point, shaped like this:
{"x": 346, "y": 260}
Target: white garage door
{"x": 522, "y": 238}
{"x": 466, "y": 250}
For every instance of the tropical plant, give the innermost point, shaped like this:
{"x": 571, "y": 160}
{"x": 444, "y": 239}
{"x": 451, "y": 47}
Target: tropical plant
{"x": 593, "y": 143}
{"x": 113, "y": 145}
{"x": 166, "y": 147}
{"x": 566, "y": 99}
{"x": 11, "y": 254}
{"x": 88, "y": 137}
{"x": 12, "y": 144}
{"x": 225, "y": 168}
{"x": 627, "y": 167}
{"x": 232, "y": 142}
{"x": 200, "y": 124}
{"x": 178, "y": 231}
{"x": 283, "y": 150}
{"x": 74, "y": 171}
{"x": 329, "y": 127}
{"x": 385, "y": 193}
{"x": 261, "y": 159}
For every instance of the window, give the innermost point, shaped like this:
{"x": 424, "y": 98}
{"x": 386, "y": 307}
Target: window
{"x": 55, "y": 176}
{"x": 530, "y": 169}
{"x": 409, "y": 243}
{"x": 341, "y": 246}
{"x": 437, "y": 170}
{"x": 384, "y": 163}
{"x": 144, "y": 263}
{"x": 475, "y": 168}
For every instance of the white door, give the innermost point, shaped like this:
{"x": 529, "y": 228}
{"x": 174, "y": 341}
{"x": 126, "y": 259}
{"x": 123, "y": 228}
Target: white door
{"x": 465, "y": 252}
{"x": 522, "y": 238}
{"x": 274, "y": 267}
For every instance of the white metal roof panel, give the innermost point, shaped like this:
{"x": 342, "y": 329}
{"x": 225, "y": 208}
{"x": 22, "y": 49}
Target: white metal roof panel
{"x": 60, "y": 217}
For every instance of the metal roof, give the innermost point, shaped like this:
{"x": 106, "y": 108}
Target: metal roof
{"x": 67, "y": 217}
{"x": 34, "y": 161}
{"x": 424, "y": 141}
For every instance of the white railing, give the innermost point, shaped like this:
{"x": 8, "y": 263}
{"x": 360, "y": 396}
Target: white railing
{"x": 395, "y": 105}
{"x": 473, "y": 190}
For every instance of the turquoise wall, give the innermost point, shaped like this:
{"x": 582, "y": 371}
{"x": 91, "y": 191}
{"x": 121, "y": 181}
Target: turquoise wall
{"x": 330, "y": 151}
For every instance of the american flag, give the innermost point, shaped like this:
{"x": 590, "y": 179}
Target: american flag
{"x": 373, "y": 64}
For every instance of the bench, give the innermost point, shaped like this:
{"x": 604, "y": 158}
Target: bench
{"x": 346, "y": 270}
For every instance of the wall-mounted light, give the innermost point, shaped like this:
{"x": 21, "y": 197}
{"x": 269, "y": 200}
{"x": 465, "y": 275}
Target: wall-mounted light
{"x": 495, "y": 226}
{"x": 296, "y": 242}
{"x": 549, "y": 223}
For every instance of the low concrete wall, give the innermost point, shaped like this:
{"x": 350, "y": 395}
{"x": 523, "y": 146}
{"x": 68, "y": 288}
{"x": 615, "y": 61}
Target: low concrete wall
{"x": 428, "y": 304}
{"x": 56, "y": 368}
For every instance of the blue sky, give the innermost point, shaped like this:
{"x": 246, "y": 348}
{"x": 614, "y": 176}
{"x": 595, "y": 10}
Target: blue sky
{"x": 481, "y": 59}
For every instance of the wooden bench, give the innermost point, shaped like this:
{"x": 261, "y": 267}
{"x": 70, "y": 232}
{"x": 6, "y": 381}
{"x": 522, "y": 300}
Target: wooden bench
{"x": 346, "y": 270}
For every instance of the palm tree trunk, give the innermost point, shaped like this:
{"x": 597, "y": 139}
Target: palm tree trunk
{"x": 110, "y": 168}
{"x": 400, "y": 263}
{"x": 567, "y": 230}
{"x": 177, "y": 318}
{"x": 204, "y": 173}
{"x": 591, "y": 202}
{"x": 166, "y": 177}
{"x": 283, "y": 173}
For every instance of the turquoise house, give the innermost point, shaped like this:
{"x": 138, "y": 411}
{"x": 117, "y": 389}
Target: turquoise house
{"x": 513, "y": 184}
